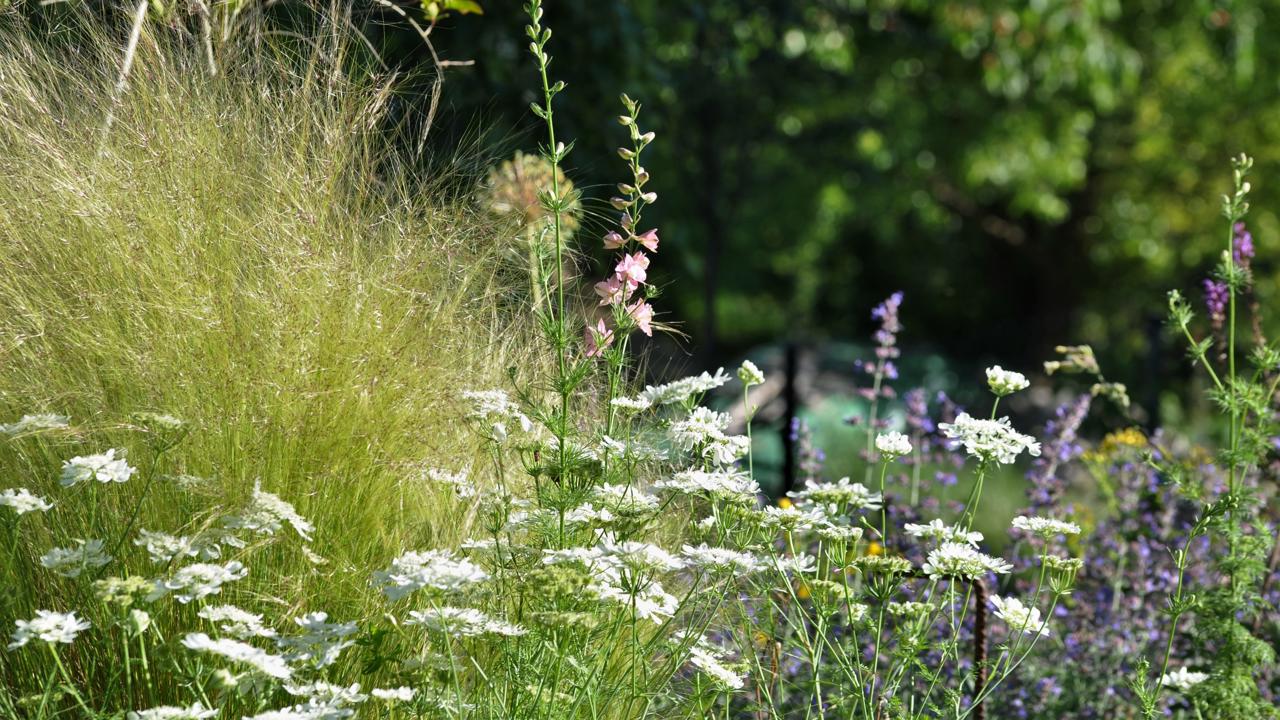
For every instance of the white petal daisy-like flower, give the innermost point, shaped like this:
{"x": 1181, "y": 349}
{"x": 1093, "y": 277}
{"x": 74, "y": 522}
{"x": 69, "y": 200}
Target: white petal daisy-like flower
{"x": 1019, "y": 617}
{"x": 105, "y": 468}
{"x": 434, "y": 569}
{"x": 1005, "y": 382}
{"x": 71, "y": 562}
{"x": 197, "y": 580}
{"x": 942, "y": 532}
{"x": 893, "y": 444}
{"x": 196, "y": 711}
{"x": 23, "y": 501}
{"x": 953, "y": 559}
{"x": 1045, "y": 527}
{"x": 48, "y": 626}
{"x": 989, "y": 440}
{"x": 1183, "y": 679}
{"x": 239, "y": 652}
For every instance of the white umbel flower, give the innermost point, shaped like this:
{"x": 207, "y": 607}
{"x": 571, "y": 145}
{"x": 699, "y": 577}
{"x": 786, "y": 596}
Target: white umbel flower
{"x": 1005, "y": 382}
{"x": 434, "y": 569}
{"x": 749, "y": 374}
{"x": 239, "y": 652}
{"x": 105, "y": 468}
{"x": 35, "y": 423}
{"x": 70, "y": 562}
{"x": 237, "y": 623}
{"x": 196, "y": 711}
{"x": 683, "y": 389}
{"x": 719, "y": 559}
{"x": 1019, "y": 617}
{"x": 719, "y": 483}
{"x": 24, "y": 501}
{"x": 1183, "y": 679}
{"x": 893, "y": 444}
{"x": 953, "y": 559}
{"x": 842, "y": 493}
{"x": 462, "y": 622}
{"x": 48, "y": 626}
{"x": 267, "y": 514}
{"x": 400, "y": 694}
{"x": 321, "y": 641}
{"x": 1046, "y": 528}
{"x": 942, "y": 532}
{"x": 704, "y": 658}
{"x": 197, "y": 580}
{"x": 989, "y": 440}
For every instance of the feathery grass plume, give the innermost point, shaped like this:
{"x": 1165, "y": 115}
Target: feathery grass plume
{"x": 249, "y": 252}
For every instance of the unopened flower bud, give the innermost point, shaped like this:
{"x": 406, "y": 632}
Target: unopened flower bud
{"x": 647, "y": 137}
{"x": 620, "y": 203}
{"x": 650, "y": 197}
{"x": 626, "y": 154}
{"x": 624, "y": 120}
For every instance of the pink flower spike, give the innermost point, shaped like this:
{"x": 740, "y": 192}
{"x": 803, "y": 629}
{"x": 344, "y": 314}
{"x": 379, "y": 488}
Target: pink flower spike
{"x": 598, "y": 338}
{"x": 642, "y": 313}
{"x": 632, "y": 269}
{"x": 611, "y": 291}
{"x": 649, "y": 239}
{"x": 613, "y": 241}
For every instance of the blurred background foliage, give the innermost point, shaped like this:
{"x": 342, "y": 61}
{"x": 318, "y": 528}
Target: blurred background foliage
{"x": 1029, "y": 173}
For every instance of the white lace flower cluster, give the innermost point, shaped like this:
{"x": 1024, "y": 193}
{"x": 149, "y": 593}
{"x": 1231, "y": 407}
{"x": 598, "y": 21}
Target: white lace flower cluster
{"x": 939, "y": 531}
{"x": 35, "y": 423}
{"x": 267, "y": 514}
{"x": 197, "y": 580}
{"x": 952, "y": 559}
{"x": 703, "y": 431}
{"x": 240, "y": 652}
{"x": 1019, "y": 617}
{"x": 437, "y": 570}
{"x": 1005, "y": 382}
{"x": 1183, "y": 679}
{"x": 1047, "y": 528}
{"x": 23, "y": 501}
{"x": 893, "y": 444}
{"x": 496, "y": 408}
{"x": 107, "y": 467}
{"x": 711, "y": 660}
{"x": 989, "y": 440}
{"x": 843, "y": 495}
{"x": 238, "y": 623}
{"x": 725, "y": 484}
{"x": 48, "y": 626}
{"x": 72, "y": 561}
{"x": 462, "y": 622}
{"x": 194, "y": 711}
{"x": 626, "y": 573}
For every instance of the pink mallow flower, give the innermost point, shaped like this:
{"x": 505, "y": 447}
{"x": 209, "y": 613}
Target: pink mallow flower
{"x": 649, "y": 239}
{"x": 631, "y": 269}
{"x": 642, "y": 313}
{"x": 598, "y": 338}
